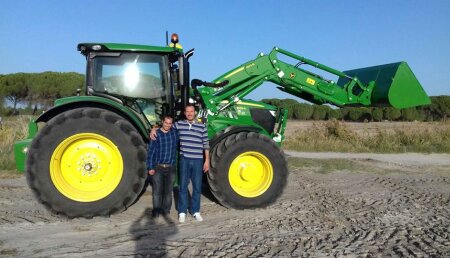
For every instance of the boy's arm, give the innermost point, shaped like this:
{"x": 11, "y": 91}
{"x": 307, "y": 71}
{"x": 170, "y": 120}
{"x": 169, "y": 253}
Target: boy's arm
{"x": 151, "y": 156}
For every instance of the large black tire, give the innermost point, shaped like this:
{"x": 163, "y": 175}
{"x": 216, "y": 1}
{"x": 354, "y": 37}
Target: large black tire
{"x": 87, "y": 162}
{"x": 248, "y": 170}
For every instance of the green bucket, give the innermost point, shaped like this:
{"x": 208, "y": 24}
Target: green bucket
{"x": 395, "y": 85}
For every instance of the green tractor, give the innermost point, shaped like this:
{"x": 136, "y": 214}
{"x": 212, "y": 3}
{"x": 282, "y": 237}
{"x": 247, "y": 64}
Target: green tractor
{"x": 86, "y": 156}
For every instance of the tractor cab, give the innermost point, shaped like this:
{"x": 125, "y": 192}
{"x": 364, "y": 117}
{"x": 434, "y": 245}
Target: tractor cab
{"x": 144, "y": 78}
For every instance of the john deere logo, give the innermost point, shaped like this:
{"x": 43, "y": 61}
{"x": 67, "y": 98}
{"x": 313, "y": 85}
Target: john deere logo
{"x": 292, "y": 75}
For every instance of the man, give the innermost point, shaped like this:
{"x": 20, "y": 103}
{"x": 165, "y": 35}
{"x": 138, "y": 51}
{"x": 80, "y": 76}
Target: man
{"x": 161, "y": 166}
{"x": 194, "y": 146}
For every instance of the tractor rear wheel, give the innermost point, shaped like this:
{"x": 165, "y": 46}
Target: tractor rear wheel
{"x": 248, "y": 170}
{"x": 87, "y": 162}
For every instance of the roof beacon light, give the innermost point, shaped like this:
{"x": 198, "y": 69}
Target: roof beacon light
{"x": 174, "y": 38}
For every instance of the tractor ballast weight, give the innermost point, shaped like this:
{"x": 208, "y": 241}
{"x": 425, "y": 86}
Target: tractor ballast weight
{"x": 89, "y": 157}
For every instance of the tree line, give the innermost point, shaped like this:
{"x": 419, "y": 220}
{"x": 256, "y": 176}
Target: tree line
{"x": 33, "y": 92}
{"x": 438, "y": 110}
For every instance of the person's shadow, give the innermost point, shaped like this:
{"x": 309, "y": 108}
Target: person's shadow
{"x": 150, "y": 235}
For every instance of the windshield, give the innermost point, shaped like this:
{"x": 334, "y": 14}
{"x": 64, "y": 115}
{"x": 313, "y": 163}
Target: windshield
{"x": 134, "y": 75}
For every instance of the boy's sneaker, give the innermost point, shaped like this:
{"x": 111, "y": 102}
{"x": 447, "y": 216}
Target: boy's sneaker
{"x": 198, "y": 217}
{"x": 182, "y": 217}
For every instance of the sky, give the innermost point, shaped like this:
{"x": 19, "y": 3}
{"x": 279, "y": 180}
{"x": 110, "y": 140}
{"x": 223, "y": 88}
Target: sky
{"x": 38, "y": 36}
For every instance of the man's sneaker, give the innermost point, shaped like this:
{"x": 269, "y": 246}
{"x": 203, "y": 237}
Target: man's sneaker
{"x": 182, "y": 217}
{"x": 198, "y": 217}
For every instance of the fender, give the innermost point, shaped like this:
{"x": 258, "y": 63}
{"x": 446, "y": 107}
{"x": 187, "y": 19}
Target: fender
{"x": 111, "y": 104}
{"x": 64, "y": 104}
{"x": 232, "y": 130}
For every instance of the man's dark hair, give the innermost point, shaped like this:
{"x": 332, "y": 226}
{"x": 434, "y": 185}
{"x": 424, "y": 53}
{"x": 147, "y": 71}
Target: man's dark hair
{"x": 189, "y": 105}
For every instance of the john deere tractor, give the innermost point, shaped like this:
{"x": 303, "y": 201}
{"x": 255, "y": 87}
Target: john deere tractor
{"x": 86, "y": 156}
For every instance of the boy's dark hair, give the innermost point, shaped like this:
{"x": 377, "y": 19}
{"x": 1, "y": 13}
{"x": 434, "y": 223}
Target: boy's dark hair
{"x": 166, "y": 116}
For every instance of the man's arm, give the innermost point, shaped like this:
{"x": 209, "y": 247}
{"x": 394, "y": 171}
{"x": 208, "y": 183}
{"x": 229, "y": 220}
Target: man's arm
{"x": 152, "y": 135}
{"x": 206, "y": 164}
{"x": 206, "y": 149}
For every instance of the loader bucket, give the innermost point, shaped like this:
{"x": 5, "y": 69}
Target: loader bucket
{"x": 395, "y": 85}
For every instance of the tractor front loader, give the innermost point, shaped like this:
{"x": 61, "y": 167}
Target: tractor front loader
{"x": 86, "y": 156}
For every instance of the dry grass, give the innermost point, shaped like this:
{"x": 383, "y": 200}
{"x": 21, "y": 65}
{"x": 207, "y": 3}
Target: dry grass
{"x": 13, "y": 129}
{"x": 304, "y": 136}
{"x": 339, "y": 137}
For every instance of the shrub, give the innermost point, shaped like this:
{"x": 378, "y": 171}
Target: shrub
{"x": 412, "y": 114}
{"x": 303, "y": 111}
{"x": 391, "y": 114}
{"x": 320, "y": 112}
{"x": 377, "y": 114}
{"x": 333, "y": 114}
{"x": 354, "y": 114}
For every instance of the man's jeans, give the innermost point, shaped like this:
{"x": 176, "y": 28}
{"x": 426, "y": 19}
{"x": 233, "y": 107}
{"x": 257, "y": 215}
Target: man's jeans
{"x": 162, "y": 189}
{"x": 190, "y": 169}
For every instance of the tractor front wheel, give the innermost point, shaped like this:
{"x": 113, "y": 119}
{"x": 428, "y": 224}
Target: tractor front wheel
{"x": 248, "y": 170}
{"x": 87, "y": 162}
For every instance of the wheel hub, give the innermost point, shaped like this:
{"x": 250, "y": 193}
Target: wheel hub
{"x": 243, "y": 172}
{"x": 250, "y": 174}
{"x": 89, "y": 164}
{"x": 88, "y": 167}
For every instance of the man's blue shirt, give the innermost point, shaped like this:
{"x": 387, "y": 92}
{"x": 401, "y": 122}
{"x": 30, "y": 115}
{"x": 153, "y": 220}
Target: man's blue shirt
{"x": 163, "y": 150}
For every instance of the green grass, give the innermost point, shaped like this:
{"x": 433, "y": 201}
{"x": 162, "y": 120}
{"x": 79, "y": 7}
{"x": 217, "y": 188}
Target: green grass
{"x": 324, "y": 166}
{"x": 337, "y": 137}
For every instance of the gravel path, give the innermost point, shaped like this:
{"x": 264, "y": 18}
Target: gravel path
{"x": 402, "y": 210}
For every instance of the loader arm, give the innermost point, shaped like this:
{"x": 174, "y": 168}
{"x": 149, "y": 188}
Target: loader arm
{"x": 387, "y": 85}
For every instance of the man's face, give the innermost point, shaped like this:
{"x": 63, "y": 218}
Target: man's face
{"x": 167, "y": 124}
{"x": 189, "y": 112}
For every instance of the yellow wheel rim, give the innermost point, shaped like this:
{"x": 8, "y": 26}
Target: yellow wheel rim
{"x": 250, "y": 174}
{"x": 86, "y": 167}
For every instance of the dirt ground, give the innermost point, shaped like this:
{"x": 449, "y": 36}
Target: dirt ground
{"x": 394, "y": 205}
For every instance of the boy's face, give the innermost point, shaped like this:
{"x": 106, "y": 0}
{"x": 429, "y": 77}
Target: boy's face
{"x": 167, "y": 123}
